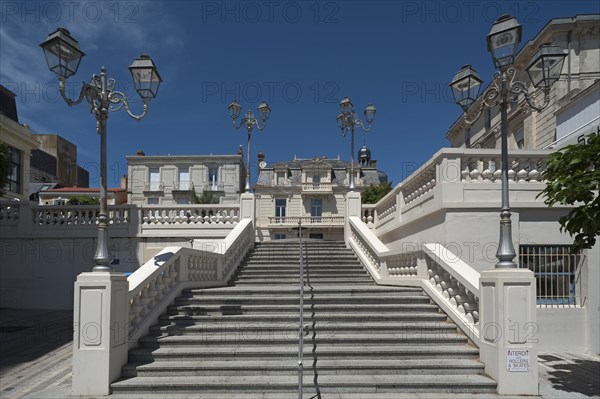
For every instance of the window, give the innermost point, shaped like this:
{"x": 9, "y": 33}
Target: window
{"x": 213, "y": 175}
{"x": 280, "y": 204}
{"x": 316, "y": 236}
{"x": 556, "y": 270}
{"x": 316, "y": 207}
{"x": 281, "y": 178}
{"x": 152, "y": 201}
{"x": 184, "y": 178}
{"x": 316, "y": 178}
{"x": 14, "y": 181}
{"x": 520, "y": 138}
{"x": 154, "y": 179}
{"x": 182, "y": 201}
{"x": 279, "y": 236}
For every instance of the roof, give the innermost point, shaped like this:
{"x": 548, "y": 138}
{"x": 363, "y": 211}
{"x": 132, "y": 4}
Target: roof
{"x": 83, "y": 190}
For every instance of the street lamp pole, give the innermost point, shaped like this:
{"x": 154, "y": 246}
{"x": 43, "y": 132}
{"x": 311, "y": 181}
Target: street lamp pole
{"x": 250, "y": 121}
{"x": 347, "y": 120}
{"x": 543, "y": 70}
{"x": 63, "y": 56}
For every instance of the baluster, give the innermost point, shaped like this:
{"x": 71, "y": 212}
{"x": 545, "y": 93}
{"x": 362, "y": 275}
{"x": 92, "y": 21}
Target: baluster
{"x": 486, "y": 175}
{"x": 511, "y": 170}
{"x": 534, "y": 175}
{"x": 497, "y": 174}
{"x": 474, "y": 173}
{"x": 464, "y": 173}
{"x": 522, "y": 173}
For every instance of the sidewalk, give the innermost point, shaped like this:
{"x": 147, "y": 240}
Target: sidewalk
{"x": 36, "y": 349}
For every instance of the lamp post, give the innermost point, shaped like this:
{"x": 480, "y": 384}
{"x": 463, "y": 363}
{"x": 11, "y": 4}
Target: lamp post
{"x": 63, "y": 56}
{"x": 543, "y": 70}
{"x": 347, "y": 120}
{"x": 250, "y": 121}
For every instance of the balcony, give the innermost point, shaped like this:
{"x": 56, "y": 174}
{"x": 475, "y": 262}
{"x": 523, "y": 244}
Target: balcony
{"x": 317, "y": 188}
{"x": 214, "y": 186}
{"x": 154, "y": 188}
{"x": 185, "y": 186}
{"x": 307, "y": 221}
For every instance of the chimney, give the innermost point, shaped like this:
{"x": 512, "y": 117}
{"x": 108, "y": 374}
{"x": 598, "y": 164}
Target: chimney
{"x": 373, "y": 163}
{"x": 140, "y": 153}
{"x": 240, "y": 152}
{"x": 261, "y": 157}
{"x": 124, "y": 181}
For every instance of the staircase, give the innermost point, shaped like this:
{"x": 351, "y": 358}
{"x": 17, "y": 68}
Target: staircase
{"x": 361, "y": 340}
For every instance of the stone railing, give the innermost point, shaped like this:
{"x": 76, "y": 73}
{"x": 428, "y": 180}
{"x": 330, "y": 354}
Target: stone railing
{"x": 27, "y": 220}
{"x": 154, "y": 285}
{"x": 292, "y": 221}
{"x": 461, "y": 168}
{"x": 322, "y": 187}
{"x": 450, "y": 282}
{"x": 9, "y": 212}
{"x": 191, "y": 214}
{"x": 68, "y": 215}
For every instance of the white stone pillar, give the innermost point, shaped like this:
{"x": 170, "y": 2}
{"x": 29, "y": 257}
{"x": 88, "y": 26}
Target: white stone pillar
{"x": 247, "y": 206}
{"x": 101, "y": 317}
{"x": 508, "y": 323}
{"x": 353, "y": 208}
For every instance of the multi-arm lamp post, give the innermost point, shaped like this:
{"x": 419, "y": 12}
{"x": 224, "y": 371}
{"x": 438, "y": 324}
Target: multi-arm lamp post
{"x": 63, "y": 56}
{"x": 249, "y": 120}
{"x": 347, "y": 120}
{"x": 543, "y": 70}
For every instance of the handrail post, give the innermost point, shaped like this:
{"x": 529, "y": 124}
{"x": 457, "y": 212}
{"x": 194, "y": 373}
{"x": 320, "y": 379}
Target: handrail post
{"x": 301, "y": 327}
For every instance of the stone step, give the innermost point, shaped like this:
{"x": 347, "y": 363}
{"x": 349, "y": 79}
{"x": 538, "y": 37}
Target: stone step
{"x": 320, "y": 328}
{"x": 289, "y": 300}
{"x": 325, "y": 366}
{"x": 292, "y": 317}
{"x": 290, "y": 338}
{"x": 294, "y": 281}
{"x": 356, "y": 308}
{"x": 295, "y": 274}
{"x": 330, "y": 383}
{"x": 322, "y": 290}
{"x": 324, "y": 351}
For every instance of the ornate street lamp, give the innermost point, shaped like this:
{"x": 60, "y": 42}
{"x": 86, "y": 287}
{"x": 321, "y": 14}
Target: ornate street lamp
{"x": 544, "y": 70}
{"x": 250, "y": 121}
{"x": 347, "y": 120}
{"x": 63, "y": 56}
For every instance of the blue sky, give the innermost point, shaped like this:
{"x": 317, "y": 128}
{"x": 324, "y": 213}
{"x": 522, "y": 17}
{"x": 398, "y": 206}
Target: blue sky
{"x": 301, "y": 57}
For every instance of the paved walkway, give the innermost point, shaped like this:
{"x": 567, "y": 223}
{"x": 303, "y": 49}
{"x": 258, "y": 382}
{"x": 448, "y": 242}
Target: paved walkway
{"x": 36, "y": 348}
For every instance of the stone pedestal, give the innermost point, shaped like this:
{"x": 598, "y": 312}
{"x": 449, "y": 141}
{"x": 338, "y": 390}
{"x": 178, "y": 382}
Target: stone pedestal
{"x": 100, "y": 318}
{"x": 353, "y": 208}
{"x": 507, "y": 305}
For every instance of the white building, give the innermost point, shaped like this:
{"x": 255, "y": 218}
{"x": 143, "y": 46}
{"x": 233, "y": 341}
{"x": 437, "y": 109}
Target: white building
{"x": 311, "y": 191}
{"x": 20, "y": 143}
{"x": 179, "y": 179}
{"x": 578, "y": 38}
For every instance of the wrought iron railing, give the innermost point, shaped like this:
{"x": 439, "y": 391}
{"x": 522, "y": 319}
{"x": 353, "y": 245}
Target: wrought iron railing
{"x": 557, "y": 271}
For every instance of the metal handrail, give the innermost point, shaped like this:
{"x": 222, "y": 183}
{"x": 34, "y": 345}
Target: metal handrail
{"x": 301, "y": 327}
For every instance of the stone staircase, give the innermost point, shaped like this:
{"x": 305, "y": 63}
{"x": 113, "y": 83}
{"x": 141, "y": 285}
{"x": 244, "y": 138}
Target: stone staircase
{"x": 361, "y": 340}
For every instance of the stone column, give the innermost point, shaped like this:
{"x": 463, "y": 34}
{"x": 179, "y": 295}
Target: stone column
{"x": 101, "y": 314}
{"x": 507, "y": 305}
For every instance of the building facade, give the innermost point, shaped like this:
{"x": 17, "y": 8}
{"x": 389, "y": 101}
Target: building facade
{"x": 182, "y": 179}
{"x": 20, "y": 142}
{"x": 55, "y": 161}
{"x": 61, "y": 196}
{"x": 311, "y": 191}
{"x": 578, "y": 37}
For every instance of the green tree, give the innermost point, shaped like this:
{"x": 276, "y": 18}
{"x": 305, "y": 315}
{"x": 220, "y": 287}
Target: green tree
{"x": 4, "y": 166}
{"x": 573, "y": 178}
{"x": 373, "y": 193}
{"x": 83, "y": 200}
{"x": 207, "y": 197}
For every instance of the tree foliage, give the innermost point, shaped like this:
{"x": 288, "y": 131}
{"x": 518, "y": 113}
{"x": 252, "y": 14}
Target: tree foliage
{"x": 83, "y": 200}
{"x": 573, "y": 178}
{"x": 373, "y": 193}
{"x": 207, "y": 197}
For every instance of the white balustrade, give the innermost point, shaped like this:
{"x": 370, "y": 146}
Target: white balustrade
{"x": 451, "y": 283}
{"x": 290, "y": 221}
{"x": 154, "y": 285}
{"x": 190, "y": 214}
